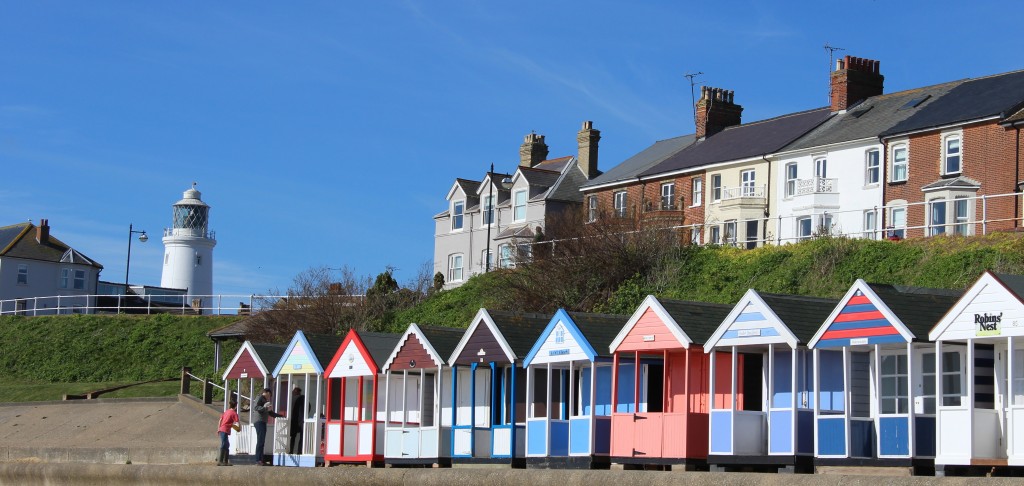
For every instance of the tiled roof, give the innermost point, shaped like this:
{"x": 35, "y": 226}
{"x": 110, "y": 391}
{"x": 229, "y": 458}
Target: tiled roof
{"x": 1019, "y": 116}
{"x": 630, "y": 168}
{"x": 525, "y": 231}
{"x": 443, "y": 339}
{"x": 520, "y": 330}
{"x": 539, "y": 177}
{"x": 742, "y": 141}
{"x": 19, "y": 241}
{"x": 960, "y": 182}
{"x": 699, "y": 320}
{"x": 599, "y": 329}
{"x": 270, "y": 354}
{"x": 999, "y": 95}
{"x": 468, "y": 186}
{"x": 556, "y": 165}
{"x": 802, "y": 315}
{"x": 568, "y": 186}
{"x": 380, "y": 345}
{"x": 324, "y": 347}
{"x": 919, "y": 308}
{"x": 1014, "y": 283}
{"x": 872, "y": 116}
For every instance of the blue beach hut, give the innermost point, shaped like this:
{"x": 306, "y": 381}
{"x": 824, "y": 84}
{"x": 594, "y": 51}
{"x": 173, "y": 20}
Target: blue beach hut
{"x": 770, "y": 425}
{"x": 569, "y": 391}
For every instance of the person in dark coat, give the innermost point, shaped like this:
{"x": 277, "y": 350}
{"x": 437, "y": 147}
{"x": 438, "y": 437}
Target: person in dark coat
{"x": 264, "y": 409}
{"x": 296, "y": 421}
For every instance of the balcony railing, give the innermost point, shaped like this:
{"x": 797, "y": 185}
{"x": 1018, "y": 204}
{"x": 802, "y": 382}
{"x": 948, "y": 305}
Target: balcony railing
{"x": 816, "y": 185}
{"x": 742, "y": 192}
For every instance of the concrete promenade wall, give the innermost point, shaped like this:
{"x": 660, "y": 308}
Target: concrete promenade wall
{"x": 108, "y": 475}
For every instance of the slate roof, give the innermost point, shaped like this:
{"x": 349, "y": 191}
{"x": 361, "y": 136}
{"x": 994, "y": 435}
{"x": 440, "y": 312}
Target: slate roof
{"x": 539, "y": 177}
{"x": 871, "y": 117}
{"x": 699, "y": 320}
{"x": 238, "y": 328}
{"x": 568, "y": 186}
{"x": 468, "y": 186}
{"x": 525, "y": 231}
{"x": 324, "y": 346}
{"x": 520, "y": 330}
{"x": 802, "y": 315}
{"x": 380, "y": 345}
{"x": 19, "y": 241}
{"x": 919, "y": 308}
{"x": 599, "y": 329}
{"x": 742, "y": 141}
{"x": 956, "y": 182}
{"x": 630, "y": 168}
{"x": 269, "y": 354}
{"x": 1019, "y": 116}
{"x": 443, "y": 339}
{"x": 999, "y": 95}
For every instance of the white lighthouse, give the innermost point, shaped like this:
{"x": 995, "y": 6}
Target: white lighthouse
{"x": 188, "y": 250}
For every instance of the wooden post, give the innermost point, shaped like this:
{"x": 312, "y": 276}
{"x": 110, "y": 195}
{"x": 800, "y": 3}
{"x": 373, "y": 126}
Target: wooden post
{"x": 207, "y": 391}
{"x": 186, "y": 381}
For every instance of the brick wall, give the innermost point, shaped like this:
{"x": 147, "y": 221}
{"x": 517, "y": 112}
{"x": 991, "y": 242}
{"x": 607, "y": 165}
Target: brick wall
{"x": 638, "y": 194}
{"x": 989, "y": 157}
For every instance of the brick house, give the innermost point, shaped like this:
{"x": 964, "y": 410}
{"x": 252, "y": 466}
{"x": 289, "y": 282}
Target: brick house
{"x": 954, "y": 167}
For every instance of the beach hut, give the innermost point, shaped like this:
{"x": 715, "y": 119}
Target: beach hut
{"x": 568, "y": 391}
{"x": 980, "y": 398}
{"x": 355, "y": 398}
{"x": 660, "y": 383}
{"x": 488, "y": 392}
{"x": 869, "y": 395}
{"x": 251, "y": 369}
{"x": 772, "y": 427}
{"x": 417, "y": 432}
{"x": 302, "y": 366}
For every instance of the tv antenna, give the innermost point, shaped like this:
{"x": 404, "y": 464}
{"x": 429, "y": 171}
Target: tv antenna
{"x": 693, "y": 102}
{"x": 831, "y": 53}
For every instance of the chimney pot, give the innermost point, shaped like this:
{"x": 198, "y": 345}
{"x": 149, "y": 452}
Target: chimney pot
{"x": 43, "y": 231}
{"x": 533, "y": 150}
{"x": 587, "y": 140}
{"x": 716, "y": 111}
{"x": 854, "y": 80}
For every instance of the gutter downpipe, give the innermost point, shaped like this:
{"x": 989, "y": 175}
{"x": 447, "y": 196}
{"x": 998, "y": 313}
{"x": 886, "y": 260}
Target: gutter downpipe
{"x": 767, "y": 201}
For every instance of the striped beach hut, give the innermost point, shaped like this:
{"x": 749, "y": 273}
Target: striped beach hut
{"x": 870, "y": 402}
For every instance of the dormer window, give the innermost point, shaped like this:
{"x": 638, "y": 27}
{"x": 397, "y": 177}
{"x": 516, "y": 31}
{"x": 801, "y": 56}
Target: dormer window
{"x": 519, "y": 208}
{"x": 951, "y": 155}
{"x": 458, "y": 214}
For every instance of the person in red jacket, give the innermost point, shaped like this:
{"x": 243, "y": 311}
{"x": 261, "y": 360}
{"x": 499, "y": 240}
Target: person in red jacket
{"x": 228, "y": 421}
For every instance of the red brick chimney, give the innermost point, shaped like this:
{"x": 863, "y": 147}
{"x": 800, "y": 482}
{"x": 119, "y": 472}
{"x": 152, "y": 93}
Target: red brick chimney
{"x": 43, "y": 231}
{"x": 716, "y": 111}
{"x": 854, "y": 79}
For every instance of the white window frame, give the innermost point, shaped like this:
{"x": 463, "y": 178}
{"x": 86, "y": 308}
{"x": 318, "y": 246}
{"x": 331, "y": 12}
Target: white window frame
{"x": 591, "y": 209}
{"x": 668, "y": 195}
{"x": 729, "y": 230}
{"x": 900, "y": 396}
{"x": 22, "y": 277}
{"x": 456, "y": 267}
{"x": 936, "y": 227}
{"x": 896, "y": 149}
{"x": 949, "y": 398}
{"x": 620, "y": 203}
{"x": 65, "y": 277}
{"x": 961, "y": 224}
{"x": 695, "y": 234}
{"x": 821, "y": 167}
{"x": 716, "y": 188}
{"x": 487, "y": 210}
{"x": 715, "y": 236}
{"x": 791, "y": 174}
{"x": 872, "y": 167}
{"x": 698, "y": 191}
{"x": 459, "y": 214}
{"x": 77, "y": 279}
{"x": 485, "y": 256}
{"x": 505, "y": 259}
{"x": 946, "y": 156}
{"x": 516, "y": 206}
{"x": 800, "y": 223}
{"x": 748, "y": 182}
{"x": 899, "y": 230}
{"x": 870, "y": 220}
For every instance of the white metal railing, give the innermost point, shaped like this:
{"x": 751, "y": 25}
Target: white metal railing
{"x": 781, "y": 229}
{"x": 190, "y": 232}
{"x": 816, "y": 185}
{"x": 742, "y": 191}
{"x": 220, "y": 304}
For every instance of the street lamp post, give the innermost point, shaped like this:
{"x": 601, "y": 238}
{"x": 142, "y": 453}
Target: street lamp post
{"x": 490, "y": 219}
{"x": 143, "y": 237}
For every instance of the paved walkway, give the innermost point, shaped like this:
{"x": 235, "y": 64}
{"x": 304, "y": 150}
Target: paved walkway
{"x": 153, "y": 431}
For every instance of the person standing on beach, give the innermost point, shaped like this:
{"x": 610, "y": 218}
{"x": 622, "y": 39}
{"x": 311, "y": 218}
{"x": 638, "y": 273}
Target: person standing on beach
{"x": 264, "y": 410}
{"x": 296, "y": 421}
{"x": 228, "y": 421}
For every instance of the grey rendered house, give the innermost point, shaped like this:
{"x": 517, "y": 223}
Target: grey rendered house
{"x": 490, "y": 223}
{"x": 40, "y": 274}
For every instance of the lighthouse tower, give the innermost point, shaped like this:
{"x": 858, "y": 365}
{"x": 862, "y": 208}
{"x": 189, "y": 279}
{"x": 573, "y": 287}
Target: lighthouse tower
{"x": 188, "y": 250}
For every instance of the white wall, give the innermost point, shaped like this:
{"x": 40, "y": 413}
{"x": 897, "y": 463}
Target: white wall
{"x": 43, "y": 281}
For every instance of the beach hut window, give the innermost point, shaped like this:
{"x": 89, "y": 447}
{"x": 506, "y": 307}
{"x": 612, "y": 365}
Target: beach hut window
{"x": 952, "y": 379}
{"x": 1018, "y": 377}
{"x": 427, "y": 418}
{"x": 367, "y": 408}
{"x": 652, "y": 388}
{"x": 894, "y": 384}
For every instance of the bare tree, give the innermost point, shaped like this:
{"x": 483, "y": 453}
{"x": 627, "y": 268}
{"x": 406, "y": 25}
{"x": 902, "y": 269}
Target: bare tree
{"x": 576, "y": 264}
{"x": 320, "y": 300}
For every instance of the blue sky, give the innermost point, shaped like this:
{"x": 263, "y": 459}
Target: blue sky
{"x": 328, "y": 133}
